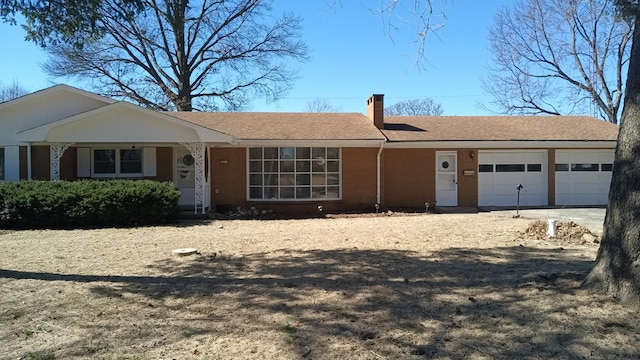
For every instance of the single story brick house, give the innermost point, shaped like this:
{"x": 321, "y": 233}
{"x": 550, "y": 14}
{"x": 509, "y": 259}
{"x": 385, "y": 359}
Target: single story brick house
{"x": 295, "y": 162}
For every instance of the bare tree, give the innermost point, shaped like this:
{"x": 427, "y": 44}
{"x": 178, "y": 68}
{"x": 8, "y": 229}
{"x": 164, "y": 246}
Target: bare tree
{"x": 12, "y": 91}
{"x": 320, "y": 105}
{"x": 559, "y": 57}
{"x": 186, "y": 55}
{"x": 414, "y": 107}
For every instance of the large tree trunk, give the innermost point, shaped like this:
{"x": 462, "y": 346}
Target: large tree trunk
{"x": 617, "y": 267}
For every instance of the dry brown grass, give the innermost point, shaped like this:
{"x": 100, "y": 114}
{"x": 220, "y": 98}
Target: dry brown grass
{"x": 430, "y": 286}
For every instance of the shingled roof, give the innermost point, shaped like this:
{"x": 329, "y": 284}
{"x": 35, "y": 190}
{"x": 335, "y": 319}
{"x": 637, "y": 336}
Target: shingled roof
{"x": 356, "y": 126}
{"x": 498, "y": 128}
{"x": 286, "y": 126}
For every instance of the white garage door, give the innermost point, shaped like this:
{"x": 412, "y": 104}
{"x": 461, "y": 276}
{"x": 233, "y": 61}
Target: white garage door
{"x": 583, "y": 176}
{"x": 500, "y": 173}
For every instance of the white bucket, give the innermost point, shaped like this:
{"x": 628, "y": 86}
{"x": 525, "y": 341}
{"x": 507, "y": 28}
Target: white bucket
{"x": 551, "y": 229}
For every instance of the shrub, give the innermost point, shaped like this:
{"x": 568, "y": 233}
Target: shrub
{"x": 86, "y": 203}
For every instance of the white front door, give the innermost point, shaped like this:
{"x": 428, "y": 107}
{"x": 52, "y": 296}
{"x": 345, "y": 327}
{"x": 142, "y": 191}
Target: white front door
{"x": 185, "y": 176}
{"x": 446, "y": 178}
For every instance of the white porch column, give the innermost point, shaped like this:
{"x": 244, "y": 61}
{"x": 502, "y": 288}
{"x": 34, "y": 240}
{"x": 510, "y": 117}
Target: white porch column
{"x": 197, "y": 150}
{"x": 12, "y": 163}
{"x": 56, "y": 152}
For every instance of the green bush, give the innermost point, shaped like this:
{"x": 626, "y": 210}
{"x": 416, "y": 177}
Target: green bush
{"x": 86, "y": 203}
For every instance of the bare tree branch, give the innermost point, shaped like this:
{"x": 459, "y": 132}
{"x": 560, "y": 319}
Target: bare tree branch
{"x": 12, "y": 91}
{"x": 187, "y": 55}
{"x": 320, "y": 105}
{"x": 559, "y": 57}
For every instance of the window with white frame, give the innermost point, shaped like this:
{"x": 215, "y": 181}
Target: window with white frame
{"x": 1, "y": 163}
{"x": 294, "y": 173}
{"x": 117, "y": 162}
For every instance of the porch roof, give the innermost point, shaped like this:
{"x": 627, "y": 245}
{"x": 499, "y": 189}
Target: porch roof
{"x": 122, "y": 122}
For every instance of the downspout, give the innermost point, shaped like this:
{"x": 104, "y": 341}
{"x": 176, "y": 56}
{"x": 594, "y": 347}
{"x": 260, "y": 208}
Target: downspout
{"x": 29, "y": 161}
{"x": 378, "y": 173}
{"x": 209, "y": 192}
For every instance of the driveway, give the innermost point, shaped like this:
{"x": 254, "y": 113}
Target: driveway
{"x": 592, "y": 218}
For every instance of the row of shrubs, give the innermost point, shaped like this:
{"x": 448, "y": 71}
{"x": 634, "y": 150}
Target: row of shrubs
{"x": 86, "y": 203}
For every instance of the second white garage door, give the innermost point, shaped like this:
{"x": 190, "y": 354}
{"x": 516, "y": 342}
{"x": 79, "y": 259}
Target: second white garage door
{"x": 500, "y": 173}
{"x": 583, "y": 176}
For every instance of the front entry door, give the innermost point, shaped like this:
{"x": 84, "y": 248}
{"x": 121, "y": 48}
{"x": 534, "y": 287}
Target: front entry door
{"x": 185, "y": 176}
{"x": 446, "y": 178}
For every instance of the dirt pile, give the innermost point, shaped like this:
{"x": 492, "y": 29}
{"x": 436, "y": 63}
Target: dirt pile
{"x": 568, "y": 232}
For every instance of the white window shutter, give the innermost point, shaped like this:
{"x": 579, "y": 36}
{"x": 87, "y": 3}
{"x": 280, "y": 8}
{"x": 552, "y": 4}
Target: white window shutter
{"x": 149, "y": 161}
{"x": 83, "y": 162}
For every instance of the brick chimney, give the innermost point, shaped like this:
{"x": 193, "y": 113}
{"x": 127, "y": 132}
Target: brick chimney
{"x": 375, "y": 110}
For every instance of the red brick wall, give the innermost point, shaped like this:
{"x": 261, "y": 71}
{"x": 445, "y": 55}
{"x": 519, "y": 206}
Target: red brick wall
{"x": 409, "y": 177}
{"x": 359, "y": 177}
{"x": 467, "y": 184}
{"x": 229, "y": 183}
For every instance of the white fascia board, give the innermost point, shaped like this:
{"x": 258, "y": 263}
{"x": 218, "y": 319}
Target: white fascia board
{"x": 308, "y": 143}
{"x": 502, "y": 144}
{"x": 57, "y": 88}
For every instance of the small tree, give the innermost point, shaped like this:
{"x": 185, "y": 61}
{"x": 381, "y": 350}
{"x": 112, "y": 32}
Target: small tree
{"x": 320, "y": 105}
{"x": 12, "y": 91}
{"x": 414, "y": 107}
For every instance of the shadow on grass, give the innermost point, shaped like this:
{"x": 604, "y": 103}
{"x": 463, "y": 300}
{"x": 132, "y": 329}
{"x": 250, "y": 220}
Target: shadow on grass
{"x": 510, "y": 302}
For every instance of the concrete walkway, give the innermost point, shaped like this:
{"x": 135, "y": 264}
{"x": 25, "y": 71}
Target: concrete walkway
{"x": 592, "y": 218}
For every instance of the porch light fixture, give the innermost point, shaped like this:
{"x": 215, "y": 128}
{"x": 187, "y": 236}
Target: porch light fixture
{"x": 472, "y": 154}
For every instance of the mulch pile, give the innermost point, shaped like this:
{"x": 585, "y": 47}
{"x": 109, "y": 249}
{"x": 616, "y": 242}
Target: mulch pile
{"x": 568, "y": 232}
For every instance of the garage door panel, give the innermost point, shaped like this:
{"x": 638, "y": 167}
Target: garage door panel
{"x": 562, "y": 189}
{"x": 500, "y": 188}
{"x": 590, "y": 178}
{"x": 583, "y": 187}
{"x": 534, "y": 157}
{"x": 532, "y": 200}
{"x": 533, "y": 189}
{"x": 509, "y": 178}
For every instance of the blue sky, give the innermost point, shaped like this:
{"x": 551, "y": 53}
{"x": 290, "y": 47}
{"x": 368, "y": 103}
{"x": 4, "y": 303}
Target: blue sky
{"x": 352, "y": 57}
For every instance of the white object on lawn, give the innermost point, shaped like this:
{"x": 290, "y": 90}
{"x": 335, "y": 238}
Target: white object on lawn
{"x": 551, "y": 230}
{"x": 184, "y": 251}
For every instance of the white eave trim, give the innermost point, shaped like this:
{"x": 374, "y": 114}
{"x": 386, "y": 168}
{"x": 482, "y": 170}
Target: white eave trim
{"x": 533, "y": 144}
{"x": 54, "y": 89}
{"x": 304, "y": 143}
